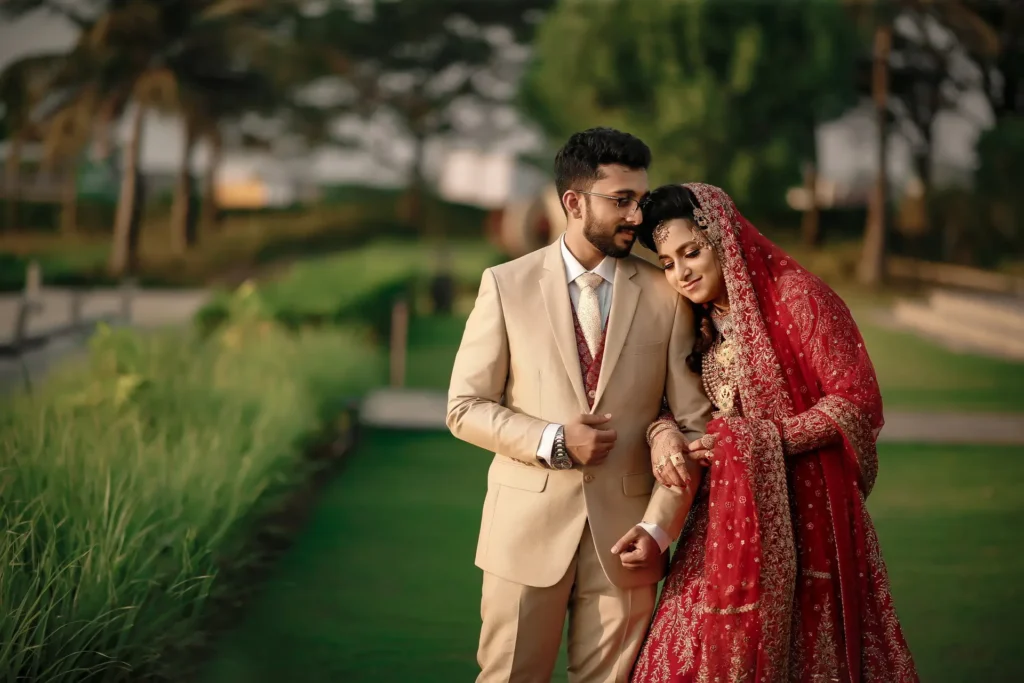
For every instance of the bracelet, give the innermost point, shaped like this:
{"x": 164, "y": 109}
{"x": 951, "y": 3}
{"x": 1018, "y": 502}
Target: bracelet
{"x": 657, "y": 428}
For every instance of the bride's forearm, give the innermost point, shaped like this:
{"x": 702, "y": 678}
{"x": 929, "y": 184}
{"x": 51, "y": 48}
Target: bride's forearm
{"x": 665, "y": 421}
{"x": 809, "y": 430}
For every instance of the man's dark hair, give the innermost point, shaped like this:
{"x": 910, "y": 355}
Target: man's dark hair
{"x": 576, "y": 164}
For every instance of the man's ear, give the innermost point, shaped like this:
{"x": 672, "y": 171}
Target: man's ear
{"x": 571, "y": 202}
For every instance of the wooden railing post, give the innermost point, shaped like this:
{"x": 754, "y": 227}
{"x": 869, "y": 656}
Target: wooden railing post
{"x": 127, "y": 293}
{"x": 399, "y": 341}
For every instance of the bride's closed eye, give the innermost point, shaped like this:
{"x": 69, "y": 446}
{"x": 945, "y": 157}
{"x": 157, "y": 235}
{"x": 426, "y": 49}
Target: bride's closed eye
{"x": 693, "y": 254}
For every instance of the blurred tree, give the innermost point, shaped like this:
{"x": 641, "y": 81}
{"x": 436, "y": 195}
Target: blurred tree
{"x": 196, "y": 58}
{"x": 729, "y": 93}
{"x": 871, "y": 268}
{"x": 65, "y": 138}
{"x": 938, "y": 53}
{"x": 424, "y": 68}
{"x": 997, "y": 185}
{"x": 992, "y": 34}
{"x": 22, "y": 84}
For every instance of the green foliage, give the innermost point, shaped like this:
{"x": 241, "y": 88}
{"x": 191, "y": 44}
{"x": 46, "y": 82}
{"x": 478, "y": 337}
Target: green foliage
{"x": 723, "y": 92}
{"x": 998, "y": 179}
{"x": 130, "y": 483}
{"x": 359, "y": 285}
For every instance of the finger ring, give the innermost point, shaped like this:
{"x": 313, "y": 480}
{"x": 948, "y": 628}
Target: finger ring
{"x": 659, "y": 467}
{"x": 676, "y": 459}
{"x": 708, "y": 441}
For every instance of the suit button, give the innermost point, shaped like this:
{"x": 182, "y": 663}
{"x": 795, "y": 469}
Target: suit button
{"x": 588, "y": 478}
{"x": 591, "y": 393}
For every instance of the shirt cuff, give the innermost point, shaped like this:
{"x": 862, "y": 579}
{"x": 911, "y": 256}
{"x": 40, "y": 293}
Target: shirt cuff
{"x": 547, "y": 443}
{"x": 657, "y": 534}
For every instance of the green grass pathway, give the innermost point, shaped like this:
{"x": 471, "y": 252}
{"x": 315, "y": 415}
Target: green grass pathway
{"x": 381, "y": 584}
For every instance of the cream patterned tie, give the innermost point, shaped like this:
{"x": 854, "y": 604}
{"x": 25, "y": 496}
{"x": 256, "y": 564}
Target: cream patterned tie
{"x": 589, "y": 310}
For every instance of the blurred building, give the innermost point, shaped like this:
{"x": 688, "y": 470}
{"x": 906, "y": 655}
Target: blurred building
{"x": 525, "y": 212}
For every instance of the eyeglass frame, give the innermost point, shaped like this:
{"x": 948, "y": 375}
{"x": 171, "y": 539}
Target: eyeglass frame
{"x": 636, "y": 202}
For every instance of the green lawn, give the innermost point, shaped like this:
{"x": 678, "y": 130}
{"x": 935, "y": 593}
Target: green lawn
{"x": 916, "y": 374}
{"x": 382, "y": 587}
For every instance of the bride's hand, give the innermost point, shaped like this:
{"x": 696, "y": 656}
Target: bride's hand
{"x": 701, "y": 450}
{"x": 668, "y": 458}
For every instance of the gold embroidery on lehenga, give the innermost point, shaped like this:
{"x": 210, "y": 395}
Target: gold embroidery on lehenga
{"x": 815, "y": 575}
{"x": 749, "y": 607}
{"x": 826, "y": 648}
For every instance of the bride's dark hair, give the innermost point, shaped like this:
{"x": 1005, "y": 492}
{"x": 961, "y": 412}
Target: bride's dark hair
{"x": 664, "y": 204}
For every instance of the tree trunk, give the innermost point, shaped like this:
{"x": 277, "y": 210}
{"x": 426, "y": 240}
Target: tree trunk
{"x": 123, "y": 254}
{"x": 12, "y": 180}
{"x": 183, "y": 232}
{"x": 412, "y": 204}
{"x": 69, "y": 200}
{"x": 211, "y": 212}
{"x": 871, "y": 270}
{"x": 810, "y": 223}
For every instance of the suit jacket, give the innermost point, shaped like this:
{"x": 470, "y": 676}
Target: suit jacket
{"x": 518, "y": 369}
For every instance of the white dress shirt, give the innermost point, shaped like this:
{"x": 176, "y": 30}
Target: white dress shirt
{"x": 606, "y": 269}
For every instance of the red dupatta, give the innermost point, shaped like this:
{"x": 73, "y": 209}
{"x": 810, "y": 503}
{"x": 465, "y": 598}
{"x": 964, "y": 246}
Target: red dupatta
{"x": 744, "y": 599}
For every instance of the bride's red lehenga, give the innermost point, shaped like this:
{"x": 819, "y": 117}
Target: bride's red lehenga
{"x": 778, "y": 576}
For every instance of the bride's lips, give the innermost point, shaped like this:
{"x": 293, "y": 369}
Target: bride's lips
{"x": 692, "y": 283}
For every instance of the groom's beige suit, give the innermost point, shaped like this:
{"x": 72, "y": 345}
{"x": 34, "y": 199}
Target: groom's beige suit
{"x": 546, "y": 535}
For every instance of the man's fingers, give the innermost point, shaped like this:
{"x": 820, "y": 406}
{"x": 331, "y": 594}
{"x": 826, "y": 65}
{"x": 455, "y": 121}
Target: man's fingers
{"x": 626, "y": 541}
{"x": 594, "y": 420}
{"x": 605, "y": 435}
{"x": 634, "y": 559}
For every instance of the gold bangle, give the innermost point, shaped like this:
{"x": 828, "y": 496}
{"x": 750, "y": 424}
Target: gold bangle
{"x": 654, "y": 431}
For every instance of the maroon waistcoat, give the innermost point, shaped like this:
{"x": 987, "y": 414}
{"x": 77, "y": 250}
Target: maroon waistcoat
{"x": 589, "y": 366}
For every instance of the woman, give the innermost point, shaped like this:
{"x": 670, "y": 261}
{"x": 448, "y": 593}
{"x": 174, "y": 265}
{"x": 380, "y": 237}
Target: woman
{"x": 778, "y": 576}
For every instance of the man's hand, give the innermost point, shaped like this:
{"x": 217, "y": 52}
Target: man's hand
{"x": 667, "y": 454}
{"x": 587, "y": 444}
{"x": 637, "y": 549}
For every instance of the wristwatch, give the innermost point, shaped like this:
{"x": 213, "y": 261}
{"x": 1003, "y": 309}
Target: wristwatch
{"x": 560, "y": 459}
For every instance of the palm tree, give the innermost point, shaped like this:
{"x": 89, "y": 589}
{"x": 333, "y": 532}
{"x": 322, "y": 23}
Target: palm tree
{"x": 156, "y": 55}
{"x": 22, "y": 84}
{"x": 65, "y": 138}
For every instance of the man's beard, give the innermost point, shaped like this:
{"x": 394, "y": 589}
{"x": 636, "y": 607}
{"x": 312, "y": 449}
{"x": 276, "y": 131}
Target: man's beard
{"x": 605, "y": 242}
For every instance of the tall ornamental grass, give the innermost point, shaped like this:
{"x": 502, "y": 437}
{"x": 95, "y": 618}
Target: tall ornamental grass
{"x": 129, "y": 480}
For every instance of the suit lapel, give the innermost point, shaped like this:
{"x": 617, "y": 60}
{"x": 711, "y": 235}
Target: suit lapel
{"x": 625, "y": 295}
{"x": 555, "y": 292}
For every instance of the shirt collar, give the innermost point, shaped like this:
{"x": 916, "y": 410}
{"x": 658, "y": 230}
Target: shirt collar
{"x": 573, "y": 268}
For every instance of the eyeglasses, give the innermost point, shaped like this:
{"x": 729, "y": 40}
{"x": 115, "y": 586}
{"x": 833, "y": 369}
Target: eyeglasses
{"x": 626, "y": 204}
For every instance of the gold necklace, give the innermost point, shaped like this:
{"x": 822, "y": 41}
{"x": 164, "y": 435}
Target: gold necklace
{"x": 718, "y": 372}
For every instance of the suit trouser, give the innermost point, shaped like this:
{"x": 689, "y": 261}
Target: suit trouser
{"x": 522, "y": 625}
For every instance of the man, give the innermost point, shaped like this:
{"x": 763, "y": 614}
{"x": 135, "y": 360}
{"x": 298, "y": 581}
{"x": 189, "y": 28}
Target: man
{"x": 563, "y": 365}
